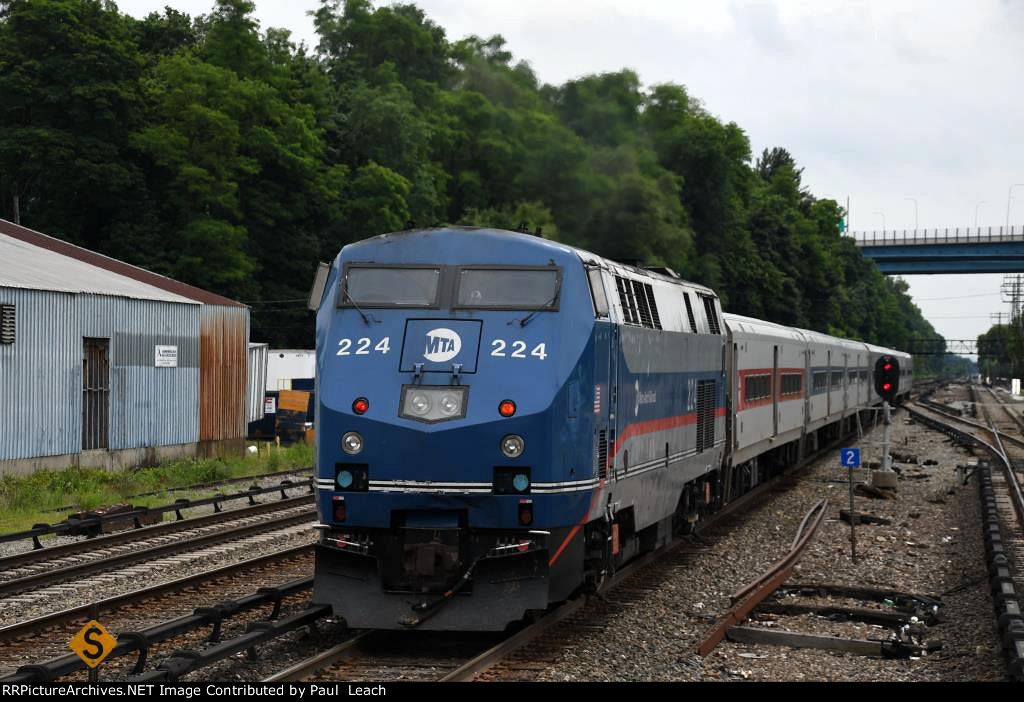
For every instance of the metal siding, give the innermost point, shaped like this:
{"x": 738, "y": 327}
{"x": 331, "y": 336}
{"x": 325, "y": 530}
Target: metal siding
{"x": 40, "y": 376}
{"x": 223, "y": 350}
{"x": 254, "y": 392}
{"x": 149, "y": 406}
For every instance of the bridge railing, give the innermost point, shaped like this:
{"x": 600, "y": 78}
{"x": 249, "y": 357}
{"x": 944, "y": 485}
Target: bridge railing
{"x": 953, "y": 235}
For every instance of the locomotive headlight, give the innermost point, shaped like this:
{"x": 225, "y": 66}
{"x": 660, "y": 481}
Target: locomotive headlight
{"x": 420, "y": 404}
{"x": 351, "y": 443}
{"x": 450, "y": 404}
{"x": 521, "y": 481}
{"x": 512, "y": 446}
{"x": 434, "y": 403}
{"x": 345, "y": 479}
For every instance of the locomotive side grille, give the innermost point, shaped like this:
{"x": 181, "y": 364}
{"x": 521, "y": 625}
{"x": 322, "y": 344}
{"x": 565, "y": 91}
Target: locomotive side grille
{"x": 6, "y": 324}
{"x": 641, "y": 303}
{"x": 712, "y": 313}
{"x": 626, "y": 301}
{"x": 689, "y": 312}
{"x": 653, "y": 306}
{"x": 639, "y": 308}
{"x": 602, "y": 454}
{"x": 705, "y": 414}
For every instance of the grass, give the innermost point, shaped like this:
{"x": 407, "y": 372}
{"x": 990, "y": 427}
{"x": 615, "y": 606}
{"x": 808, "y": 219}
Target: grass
{"x": 30, "y": 499}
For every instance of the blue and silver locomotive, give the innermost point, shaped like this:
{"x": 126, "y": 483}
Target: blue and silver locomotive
{"x": 490, "y": 436}
{"x": 503, "y": 421}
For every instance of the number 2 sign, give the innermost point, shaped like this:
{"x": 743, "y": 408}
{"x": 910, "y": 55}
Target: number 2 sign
{"x": 850, "y": 457}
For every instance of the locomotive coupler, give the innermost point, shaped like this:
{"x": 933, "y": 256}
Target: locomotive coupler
{"x": 429, "y": 609}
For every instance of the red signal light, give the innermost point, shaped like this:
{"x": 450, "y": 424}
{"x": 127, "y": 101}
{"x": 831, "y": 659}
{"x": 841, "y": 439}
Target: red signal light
{"x": 360, "y": 405}
{"x": 887, "y": 386}
{"x": 887, "y": 366}
{"x": 507, "y": 408}
{"x": 526, "y": 513}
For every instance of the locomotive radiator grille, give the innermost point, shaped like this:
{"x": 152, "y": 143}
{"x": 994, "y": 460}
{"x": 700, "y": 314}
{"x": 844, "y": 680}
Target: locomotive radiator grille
{"x": 602, "y": 454}
{"x": 705, "y": 414}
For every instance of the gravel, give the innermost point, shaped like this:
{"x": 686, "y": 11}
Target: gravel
{"x": 88, "y": 589}
{"x": 53, "y": 642}
{"x": 932, "y": 547}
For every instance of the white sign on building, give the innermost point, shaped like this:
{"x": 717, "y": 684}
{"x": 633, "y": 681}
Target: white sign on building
{"x": 166, "y": 357}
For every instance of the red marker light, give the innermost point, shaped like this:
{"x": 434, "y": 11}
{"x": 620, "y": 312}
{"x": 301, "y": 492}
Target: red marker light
{"x": 507, "y": 408}
{"x": 887, "y": 386}
{"x": 360, "y": 405}
{"x": 887, "y": 366}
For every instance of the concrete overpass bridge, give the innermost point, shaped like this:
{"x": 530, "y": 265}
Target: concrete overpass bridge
{"x": 953, "y": 250}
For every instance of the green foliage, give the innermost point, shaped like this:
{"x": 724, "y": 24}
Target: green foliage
{"x": 30, "y": 499}
{"x": 223, "y": 154}
{"x": 1001, "y": 351}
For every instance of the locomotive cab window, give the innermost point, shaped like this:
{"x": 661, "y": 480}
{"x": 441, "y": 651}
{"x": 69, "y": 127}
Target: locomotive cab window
{"x": 597, "y": 292}
{"x": 509, "y": 288}
{"x": 390, "y": 286}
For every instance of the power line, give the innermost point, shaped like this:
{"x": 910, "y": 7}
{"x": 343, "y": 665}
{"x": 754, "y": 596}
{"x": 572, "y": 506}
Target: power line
{"x": 271, "y": 302}
{"x": 958, "y": 297}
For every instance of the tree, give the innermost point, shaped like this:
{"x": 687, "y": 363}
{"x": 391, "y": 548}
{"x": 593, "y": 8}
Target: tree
{"x": 69, "y": 77}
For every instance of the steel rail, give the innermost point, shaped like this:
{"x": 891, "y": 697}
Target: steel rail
{"x": 963, "y": 420}
{"x": 1007, "y": 603}
{"x": 998, "y": 452}
{"x": 109, "y": 604}
{"x": 747, "y": 598}
{"x": 1012, "y": 481}
{"x": 74, "y": 526}
{"x": 310, "y": 666}
{"x": 206, "y": 485}
{"x": 121, "y": 537}
{"x": 185, "y": 661}
{"x": 141, "y": 641}
{"x": 103, "y": 564}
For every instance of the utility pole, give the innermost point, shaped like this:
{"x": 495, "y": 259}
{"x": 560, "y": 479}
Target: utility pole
{"x": 1009, "y": 197}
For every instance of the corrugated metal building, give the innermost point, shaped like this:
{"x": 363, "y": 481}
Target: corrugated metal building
{"x": 106, "y": 364}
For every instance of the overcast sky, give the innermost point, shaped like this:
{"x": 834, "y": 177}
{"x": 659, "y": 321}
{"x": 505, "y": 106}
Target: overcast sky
{"x": 878, "y": 101}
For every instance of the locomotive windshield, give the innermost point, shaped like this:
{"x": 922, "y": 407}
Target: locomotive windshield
{"x": 509, "y": 288}
{"x": 391, "y": 286}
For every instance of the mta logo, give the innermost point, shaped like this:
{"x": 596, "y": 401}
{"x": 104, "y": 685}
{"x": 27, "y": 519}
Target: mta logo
{"x": 442, "y": 345}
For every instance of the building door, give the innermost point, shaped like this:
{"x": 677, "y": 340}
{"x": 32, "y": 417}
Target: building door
{"x": 95, "y": 394}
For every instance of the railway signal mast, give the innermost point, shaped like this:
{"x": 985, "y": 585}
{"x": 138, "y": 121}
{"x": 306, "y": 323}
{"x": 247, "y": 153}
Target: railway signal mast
{"x": 887, "y": 384}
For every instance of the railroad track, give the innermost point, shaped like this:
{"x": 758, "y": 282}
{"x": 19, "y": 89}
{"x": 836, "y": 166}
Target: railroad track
{"x": 399, "y": 655}
{"x": 32, "y": 561}
{"x": 1002, "y": 498}
{"x": 52, "y": 581}
{"x": 134, "y": 615}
